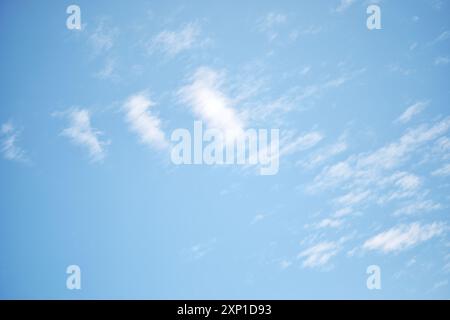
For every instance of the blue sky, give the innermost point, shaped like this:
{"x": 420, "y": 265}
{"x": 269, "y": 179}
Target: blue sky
{"x": 87, "y": 179}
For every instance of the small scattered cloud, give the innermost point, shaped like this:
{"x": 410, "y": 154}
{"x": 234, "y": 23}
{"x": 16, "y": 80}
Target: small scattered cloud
{"x": 258, "y": 218}
{"x": 445, "y": 35}
{"x": 319, "y": 254}
{"x": 200, "y": 250}
{"x": 369, "y": 168}
{"x": 302, "y": 142}
{"x": 396, "y": 68}
{"x": 418, "y": 206}
{"x": 329, "y": 223}
{"x": 172, "y": 42}
{"x": 412, "y": 111}
{"x": 444, "y": 171}
{"x": 353, "y": 197}
{"x": 441, "y": 61}
{"x": 80, "y": 132}
{"x": 284, "y": 264}
{"x": 344, "y": 5}
{"x": 270, "y": 23}
{"x": 437, "y": 4}
{"x": 207, "y": 100}
{"x": 10, "y": 149}
{"x": 108, "y": 71}
{"x": 324, "y": 154}
{"x": 402, "y": 237}
{"x": 102, "y": 38}
{"x": 143, "y": 122}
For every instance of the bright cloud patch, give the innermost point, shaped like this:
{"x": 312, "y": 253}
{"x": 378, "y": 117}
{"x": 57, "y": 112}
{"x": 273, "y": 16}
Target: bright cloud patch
{"x": 319, "y": 254}
{"x": 81, "y": 133}
{"x": 208, "y": 102}
{"x": 146, "y": 125}
{"x": 403, "y": 237}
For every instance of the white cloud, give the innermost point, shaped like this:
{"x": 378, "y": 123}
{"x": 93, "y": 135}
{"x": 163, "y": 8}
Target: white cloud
{"x": 413, "y": 110}
{"x": 7, "y": 128}
{"x": 353, "y": 197}
{"x": 400, "y": 69}
{"x": 200, "y": 250}
{"x": 407, "y": 181}
{"x": 324, "y": 154}
{"x": 141, "y": 121}
{"x": 258, "y": 218}
{"x": 344, "y": 5}
{"x": 108, "y": 72}
{"x": 442, "y": 37}
{"x": 343, "y": 212}
{"x": 443, "y": 171}
{"x": 441, "y": 61}
{"x": 332, "y": 175}
{"x": 403, "y": 185}
{"x": 9, "y": 148}
{"x": 174, "y": 42}
{"x": 329, "y": 223}
{"x": 208, "y": 102}
{"x": 403, "y": 237}
{"x": 420, "y": 206}
{"x": 437, "y": 4}
{"x": 443, "y": 144}
{"x": 370, "y": 168}
{"x": 81, "y": 133}
{"x": 270, "y": 22}
{"x": 440, "y": 284}
{"x": 102, "y": 38}
{"x": 273, "y": 19}
{"x": 319, "y": 254}
{"x": 297, "y": 98}
{"x": 302, "y": 142}
{"x": 284, "y": 264}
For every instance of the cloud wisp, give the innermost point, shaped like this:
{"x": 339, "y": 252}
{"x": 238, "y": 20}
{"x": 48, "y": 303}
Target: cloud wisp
{"x": 9, "y": 144}
{"x": 143, "y": 122}
{"x": 402, "y": 237}
{"x": 81, "y": 133}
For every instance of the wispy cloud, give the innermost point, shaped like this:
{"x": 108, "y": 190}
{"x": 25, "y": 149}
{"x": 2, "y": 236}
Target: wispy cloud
{"x": 270, "y": 22}
{"x": 9, "y": 148}
{"x": 403, "y": 237}
{"x": 200, "y": 250}
{"x": 319, "y": 254}
{"x": 418, "y": 206}
{"x": 444, "y": 171}
{"x": 81, "y": 133}
{"x": 300, "y": 143}
{"x": 368, "y": 168}
{"x": 142, "y": 122}
{"x": 324, "y": 154}
{"x": 174, "y": 42}
{"x": 102, "y": 38}
{"x": 273, "y": 19}
{"x": 344, "y": 5}
{"x": 441, "y": 61}
{"x": 210, "y": 103}
{"x": 352, "y": 198}
{"x": 328, "y": 223}
{"x": 412, "y": 111}
{"x": 108, "y": 71}
{"x": 445, "y": 35}
{"x": 297, "y": 97}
